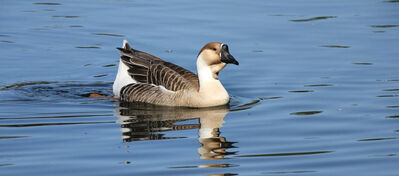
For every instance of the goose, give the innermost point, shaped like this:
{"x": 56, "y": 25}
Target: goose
{"x": 145, "y": 78}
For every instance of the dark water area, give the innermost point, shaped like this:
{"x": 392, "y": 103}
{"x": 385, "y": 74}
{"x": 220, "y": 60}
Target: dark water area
{"x": 316, "y": 91}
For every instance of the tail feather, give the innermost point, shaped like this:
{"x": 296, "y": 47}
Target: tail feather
{"x": 126, "y": 45}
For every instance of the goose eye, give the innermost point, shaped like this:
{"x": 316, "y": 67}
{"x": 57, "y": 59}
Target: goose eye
{"x": 214, "y": 49}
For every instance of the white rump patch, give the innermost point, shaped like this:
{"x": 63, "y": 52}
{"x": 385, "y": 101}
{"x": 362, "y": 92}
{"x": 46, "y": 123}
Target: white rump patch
{"x": 122, "y": 79}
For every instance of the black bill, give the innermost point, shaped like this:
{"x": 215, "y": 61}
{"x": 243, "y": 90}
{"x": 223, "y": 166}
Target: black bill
{"x": 226, "y": 57}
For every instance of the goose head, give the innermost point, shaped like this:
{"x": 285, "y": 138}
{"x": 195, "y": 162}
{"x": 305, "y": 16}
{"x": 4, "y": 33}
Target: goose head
{"x": 212, "y": 58}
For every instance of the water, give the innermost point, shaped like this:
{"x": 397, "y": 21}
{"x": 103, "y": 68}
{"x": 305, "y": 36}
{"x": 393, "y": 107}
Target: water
{"x": 316, "y": 92}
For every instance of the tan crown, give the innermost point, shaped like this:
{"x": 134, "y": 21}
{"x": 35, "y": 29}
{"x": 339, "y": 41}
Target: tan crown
{"x": 211, "y": 53}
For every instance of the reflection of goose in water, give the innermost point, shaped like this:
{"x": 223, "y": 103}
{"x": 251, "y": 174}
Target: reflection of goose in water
{"x": 149, "y": 122}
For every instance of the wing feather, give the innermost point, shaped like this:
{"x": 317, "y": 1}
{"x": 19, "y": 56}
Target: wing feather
{"x": 148, "y": 93}
{"x": 149, "y": 69}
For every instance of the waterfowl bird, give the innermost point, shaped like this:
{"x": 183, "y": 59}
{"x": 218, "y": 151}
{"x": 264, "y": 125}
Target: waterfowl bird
{"x": 143, "y": 77}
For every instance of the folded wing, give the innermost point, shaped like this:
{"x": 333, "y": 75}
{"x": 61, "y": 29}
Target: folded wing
{"x": 158, "y": 74}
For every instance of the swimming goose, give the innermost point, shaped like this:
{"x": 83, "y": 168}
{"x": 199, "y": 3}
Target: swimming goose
{"x": 143, "y": 77}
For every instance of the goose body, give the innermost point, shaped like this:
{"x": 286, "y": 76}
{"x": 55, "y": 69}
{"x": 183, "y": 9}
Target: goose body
{"x": 143, "y": 77}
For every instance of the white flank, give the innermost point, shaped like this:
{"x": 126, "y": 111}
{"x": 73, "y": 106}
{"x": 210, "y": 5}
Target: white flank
{"x": 122, "y": 79}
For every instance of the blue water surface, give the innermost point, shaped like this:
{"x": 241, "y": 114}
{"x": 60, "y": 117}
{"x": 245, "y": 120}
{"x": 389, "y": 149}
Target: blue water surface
{"x": 316, "y": 91}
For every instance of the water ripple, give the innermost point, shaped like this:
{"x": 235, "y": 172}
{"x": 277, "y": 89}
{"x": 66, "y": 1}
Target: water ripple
{"x": 56, "y": 117}
{"x": 270, "y": 98}
{"x": 362, "y": 63}
{"x": 384, "y": 26}
{"x": 289, "y": 172}
{"x": 205, "y": 166}
{"x": 88, "y": 47}
{"x": 285, "y": 154}
{"x": 75, "y": 26}
{"x": 53, "y": 124}
{"x": 377, "y": 139}
{"x": 18, "y": 85}
{"x": 6, "y": 164}
{"x": 111, "y": 35}
{"x": 387, "y": 96}
{"x": 109, "y": 65}
{"x": 300, "y": 91}
{"x": 390, "y": 90}
{"x": 6, "y": 41}
{"x": 12, "y": 137}
{"x": 47, "y": 3}
{"x": 55, "y": 91}
{"x": 306, "y": 113}
{"x": 393, "y": 116}
{"x": 392, "y": 1}
{"x": 65, "y": 16}
{"x": 102, "y": 75}
{"x": 314, "y": 19}
{"x": 318, "y": 85}
{"x": 335, "y": 46}
{"x": 238, "y": 106}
